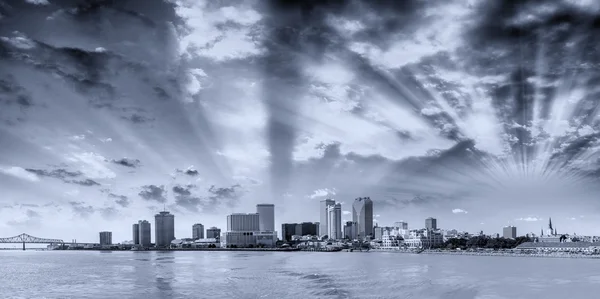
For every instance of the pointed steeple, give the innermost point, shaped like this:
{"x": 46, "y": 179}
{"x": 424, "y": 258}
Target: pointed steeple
{"x": 541, "y": 231}
{"x": 550, "y": 223}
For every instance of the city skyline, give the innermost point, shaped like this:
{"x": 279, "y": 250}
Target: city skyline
{"x": 206, "y": 110}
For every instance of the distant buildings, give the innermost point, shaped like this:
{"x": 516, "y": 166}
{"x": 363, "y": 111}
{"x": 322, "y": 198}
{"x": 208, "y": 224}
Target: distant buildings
{"x": 401, "y": 225}
{"x": 266, "y": 220}
{"x": 213, "y": 233}
{"x": 105, "y": 238}
{"x": 509, "y": 232}
{"x": 145, "y": 233}
{"x": 243, "y": 230}
{"x": 324, "y": 215}
{"x": 431, "y": 223}
{"x": 362, "y": 214}
{"x": 164, "y": 226}
{"x": 197, "y": 231}
{"x": 299, "y": 229}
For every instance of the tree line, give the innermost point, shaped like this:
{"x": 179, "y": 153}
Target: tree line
{"x": 484, "y": 242}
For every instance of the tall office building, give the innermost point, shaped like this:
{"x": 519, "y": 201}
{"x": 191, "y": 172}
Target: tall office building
{"x": 362, "y": 214}
{"x": 350, "y": 230}
{"x": 105, "y": 238}
{"x": 197, "y": 231}
{"x": 136, "y": 233}
{"x": 335, "y": 221}
{"x": 324, "y": 214}
{"x": 431, "y": 223}
{"x": 266, "y": 219}
{"x": 509, "y": 232}
{"x": 164, "y": 229}
{"x": 243, "y": 222}
{"x": 145, "y": 232}
{"x": 213, "y": 233}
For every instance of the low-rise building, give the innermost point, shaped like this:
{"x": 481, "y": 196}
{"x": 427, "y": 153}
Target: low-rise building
{"x": 424, "y": 238}
{"x": 206, "y": 243}
{"x": 572, "y": 247}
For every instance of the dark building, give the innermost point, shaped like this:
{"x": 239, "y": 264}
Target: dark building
{"x": 136, "y": 233}
{"x": 431, "y": 223}
{"x": 213, "y": 233}
{"x": 299, "y": 229}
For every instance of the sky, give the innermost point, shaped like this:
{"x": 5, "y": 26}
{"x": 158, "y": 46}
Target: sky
{"x": 479, "y": 114}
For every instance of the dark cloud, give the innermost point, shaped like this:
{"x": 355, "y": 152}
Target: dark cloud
{"x": 228, "y": 196}
{"x": 32, "y": 214}
{"x": 81, "y": 209}
{"x": 121, "y": 200}
{"x": 190, "y": 171}
{"x": 133, "y": 163}
{"x": 86, "y": 182}
{"x": 186, "y": 198}
{"x": 153, "y": 192}
{"x": 57, "y": 173}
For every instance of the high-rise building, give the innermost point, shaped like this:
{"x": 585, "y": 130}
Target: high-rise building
{"x": 362, "y": 214}
{"x": 105, "y": 238}
{"x": 324, "y": 215}
{"x": 145, "y": 233}
{"x": 213, "y": 233}
{"x": 298, "y": 229}
{"x": 266, "y": 220}
{"x": 401, "y": 225}
{"x": 335, "y": 221}
{"x": 509, "y": 232}
{"x": 197, "y": 231}
{"x": 243, "y": 222}
{"x": 431, "y": 223}
{"x": 136, "y": 233}
{"x": 350, "y": 230}
{"x": 164, "y": 229}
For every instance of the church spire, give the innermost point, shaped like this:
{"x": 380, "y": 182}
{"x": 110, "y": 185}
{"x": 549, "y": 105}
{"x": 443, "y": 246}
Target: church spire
{"x": 541, "y": 231}
{"x": 550, "y": 223}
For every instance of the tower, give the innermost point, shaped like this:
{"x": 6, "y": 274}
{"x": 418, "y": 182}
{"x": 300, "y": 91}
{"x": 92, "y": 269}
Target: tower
{"x": 362, "y": 214}
{"x": 266, "y": 217}
{"x": 324, "y": 215}
{"x": 164, "y": 229}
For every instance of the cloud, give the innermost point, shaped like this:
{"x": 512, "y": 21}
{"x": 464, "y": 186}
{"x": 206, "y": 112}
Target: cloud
{"x": 81, "y": 209}
{"x": 529, "y": 219}
{"x": 133, "y": 163}
{"x": 346, "y": 212}
{"x": 121, "y": 200}
{"x": 189, "y": 171}
{"x": 325, "y": 192}
{"x": 154, "y": 193}
{"x": 20, "y": 173}
{"x": 56, "y": 173}
{"x": 86, "y": 182}
{"x": 459, "y": 211}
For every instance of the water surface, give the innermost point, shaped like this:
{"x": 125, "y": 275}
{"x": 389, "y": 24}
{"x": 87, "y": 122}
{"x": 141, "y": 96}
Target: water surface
{"x": 202, "y": 274}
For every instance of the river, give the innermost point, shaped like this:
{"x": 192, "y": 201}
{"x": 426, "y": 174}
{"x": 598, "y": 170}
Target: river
{"x": 283, "y": 275}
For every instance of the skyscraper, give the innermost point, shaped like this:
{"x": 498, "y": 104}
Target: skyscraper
{"x": 335, "y": 221}
{"x": 243, "y": 222}
{"x": 266, "y": 217}
{"x": 164, "y": 229}
{"x": 197, "y": 231}
{"x": 362, "y": 214}
{"x": 105, "y": 238}
{"x": 136, "y": 233}
{"x": 431, "y": 223}
{"x": 145, "y": 233}
{"x": 323, "y": 212}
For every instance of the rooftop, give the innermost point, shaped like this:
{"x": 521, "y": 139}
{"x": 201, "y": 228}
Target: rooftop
{"x": 527, "y": 245}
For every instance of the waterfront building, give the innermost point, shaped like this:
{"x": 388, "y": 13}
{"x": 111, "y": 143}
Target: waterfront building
{"x": 362, "y": 214}
{"x": 324, "y": 215}
{"x": 105, "y": 238}
{"x": 206, "y": 243}
{"x": 431, "y": 223}
{"x": 136, "y": 233}
{"x": 335, "y": 221}
{"x": 197, "y": 231}
{"x": 164, "y": 229}
{"x": 351, "y": 230}
{"x": 243, "y": 222}
{"x": 424, "y": 238}
{"x": 266, "y": 219}
{"x": 509, "y": 232}
{"x": 572, "y": 247}
{"x": 213, "y": 232}
{"x": 551, "y": 236}
{"x": 145, "y": 232}
{"x": 299, "y": 229}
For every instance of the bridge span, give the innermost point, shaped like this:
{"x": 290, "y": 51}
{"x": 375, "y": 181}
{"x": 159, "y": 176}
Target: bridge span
{"x": 25, "y": 238}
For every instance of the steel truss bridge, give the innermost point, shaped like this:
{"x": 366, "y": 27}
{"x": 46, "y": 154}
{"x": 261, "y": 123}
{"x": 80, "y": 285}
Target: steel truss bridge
{"x": 25, "y": 238}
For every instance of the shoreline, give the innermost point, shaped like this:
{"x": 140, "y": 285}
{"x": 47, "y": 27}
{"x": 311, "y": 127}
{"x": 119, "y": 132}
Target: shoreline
{"x": 498, "y": 253}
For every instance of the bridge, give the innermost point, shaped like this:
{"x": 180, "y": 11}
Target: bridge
{"x": 25, "y": 238}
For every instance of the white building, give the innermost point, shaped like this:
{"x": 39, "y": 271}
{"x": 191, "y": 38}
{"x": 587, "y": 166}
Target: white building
{"x": 324, "y": 215}
{"x": 266, "y": 220}
{"x": 424, "y": 238}
{"x": 205, "y": 243}
{"x": 335, "y": 221}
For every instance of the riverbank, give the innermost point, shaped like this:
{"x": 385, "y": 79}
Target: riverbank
{"x": 188, "y": 249}
{"x": 496, "y": 253}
